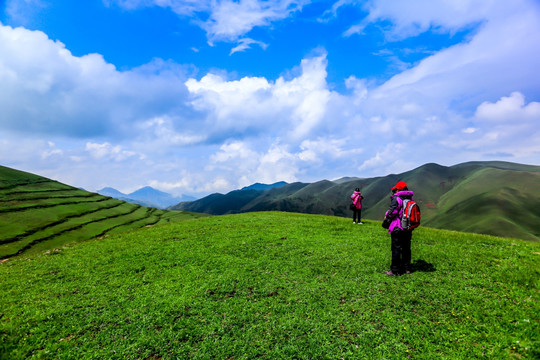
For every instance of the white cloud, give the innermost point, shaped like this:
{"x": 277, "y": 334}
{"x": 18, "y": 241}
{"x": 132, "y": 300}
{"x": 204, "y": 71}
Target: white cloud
{"x": 278, "y": 164}
{"x": 51, "y": 151}
{"x": 106, "y": 150}
{"x": 308, "y": 94}
{"x": 226, "y": 98}
{"x": 44, "y": 88}
{"x": 410, "y": 18}
{"x": 391, "y": 159}
{"x": 245, "y": 44}
{"x": 217, "y": 184}
{"x": 182, "y": 7}
{"x": 254, "y": 104}
{"x": 234, "y": 150}
{"x": 271, "y": 165}
{"x": 359, "y": 86}
{"x": 507, "y": 127}
{"x": 268, "y": 165}
{"x": 328, "y": 149}
{"x": 510, "y": 109}
{"x": 225, "y": 20}
{"x": 19, "y": 11}
{"x": 278, "y": 161}
{"x": 231, "y": 19}
{"x": 444, "y": 89}
{"x": 161, "y": 129}
{"x": 507, "y": 42}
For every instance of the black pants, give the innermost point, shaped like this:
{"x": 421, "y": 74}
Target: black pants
{"x": 357, "y": 214}
{"x": 401, "y": 251}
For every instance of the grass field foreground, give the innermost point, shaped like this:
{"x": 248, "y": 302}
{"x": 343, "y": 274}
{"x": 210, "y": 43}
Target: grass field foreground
{"x": 273, "y": 286}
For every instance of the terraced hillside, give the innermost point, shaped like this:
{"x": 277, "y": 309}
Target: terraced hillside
{"x": 38, "y": 214}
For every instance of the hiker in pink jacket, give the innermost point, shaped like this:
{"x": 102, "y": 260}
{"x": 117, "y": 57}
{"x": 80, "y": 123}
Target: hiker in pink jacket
{"x": 356, "y": 206}
{"x": 401, "y": 239}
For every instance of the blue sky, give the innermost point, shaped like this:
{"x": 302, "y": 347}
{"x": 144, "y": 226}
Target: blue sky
{"x": 202, "y": 96}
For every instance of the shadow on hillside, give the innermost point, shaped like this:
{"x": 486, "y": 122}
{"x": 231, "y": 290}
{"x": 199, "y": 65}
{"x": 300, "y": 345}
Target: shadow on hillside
{"x": 421, "y": 265}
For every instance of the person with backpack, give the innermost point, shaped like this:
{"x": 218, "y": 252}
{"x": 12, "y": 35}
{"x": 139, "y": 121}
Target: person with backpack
{"x": 356, "y": 206}
{"x": 398, "y": 222}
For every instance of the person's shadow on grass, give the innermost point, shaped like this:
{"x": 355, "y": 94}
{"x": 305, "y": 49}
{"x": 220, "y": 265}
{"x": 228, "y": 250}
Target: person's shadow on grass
{"x": 421, "y": 265}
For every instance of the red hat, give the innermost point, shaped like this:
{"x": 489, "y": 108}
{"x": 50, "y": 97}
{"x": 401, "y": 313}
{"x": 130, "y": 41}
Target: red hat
{"x": 400, "y": 185}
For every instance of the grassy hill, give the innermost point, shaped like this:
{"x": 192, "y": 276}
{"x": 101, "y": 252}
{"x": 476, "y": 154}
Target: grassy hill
{"x": 496, "y": 198}
{"x": 37, "y": 214}
{"x": 272, "y": 285}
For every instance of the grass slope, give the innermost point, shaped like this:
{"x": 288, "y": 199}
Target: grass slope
{"x": 273, "y": 286}
{"x": 491, "y": 201}
{"x": 37, "y": 214}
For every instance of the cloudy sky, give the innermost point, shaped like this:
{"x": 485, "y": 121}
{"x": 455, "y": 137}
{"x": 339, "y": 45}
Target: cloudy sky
{"x": 201, "y": 96}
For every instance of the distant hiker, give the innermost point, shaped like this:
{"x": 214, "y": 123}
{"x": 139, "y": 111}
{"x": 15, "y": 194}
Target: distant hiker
{"x": 356, "y": 206}
{"x": 401, "y": 239}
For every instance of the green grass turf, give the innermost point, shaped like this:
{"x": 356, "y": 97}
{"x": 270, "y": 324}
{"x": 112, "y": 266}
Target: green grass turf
{"x": 274, "y": 286}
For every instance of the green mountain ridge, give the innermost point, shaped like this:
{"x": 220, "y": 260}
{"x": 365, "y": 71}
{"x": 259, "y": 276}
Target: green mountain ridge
{"x": 495, "y": 197}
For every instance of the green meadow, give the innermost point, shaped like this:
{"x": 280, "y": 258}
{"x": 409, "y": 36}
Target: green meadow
{"x": 271, "y": 285}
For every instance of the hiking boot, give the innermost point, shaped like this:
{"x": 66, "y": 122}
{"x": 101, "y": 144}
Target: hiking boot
{"x": 390, "y": 273}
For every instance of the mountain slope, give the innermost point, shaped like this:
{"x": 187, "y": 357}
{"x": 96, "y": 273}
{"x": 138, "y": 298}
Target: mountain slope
{"x": 450, "y": 198}
{"x": 497, "y": 195}
{"x": 37, "y": 214}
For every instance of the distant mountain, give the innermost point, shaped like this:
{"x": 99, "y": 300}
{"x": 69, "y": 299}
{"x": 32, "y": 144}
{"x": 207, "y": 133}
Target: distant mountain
{"x": 109, "y": 191}
{"x": 497, "y": 198}
{"x": 146, "y": 196}
{"x": 345, "y": 179}
{"x": 150, "y": 195}
{"x": 259, "y": 186}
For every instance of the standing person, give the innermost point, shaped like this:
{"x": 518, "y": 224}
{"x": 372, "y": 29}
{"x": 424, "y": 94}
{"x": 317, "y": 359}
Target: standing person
{"x": 356, "y": 206}
{"x": 401, "y": 239}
